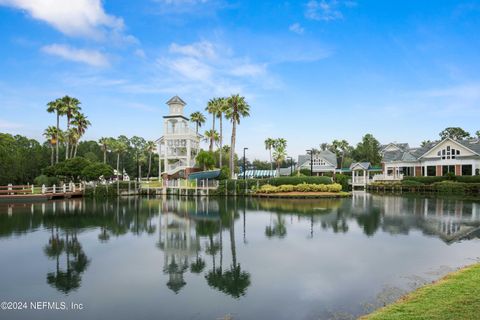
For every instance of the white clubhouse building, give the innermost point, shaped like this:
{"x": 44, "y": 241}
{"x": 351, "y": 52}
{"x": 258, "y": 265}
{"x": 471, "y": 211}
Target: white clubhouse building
{"x": 459, "y": 157}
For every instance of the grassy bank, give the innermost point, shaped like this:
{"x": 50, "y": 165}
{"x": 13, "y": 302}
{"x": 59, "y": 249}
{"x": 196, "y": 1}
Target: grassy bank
{"x": 456, "y": 296}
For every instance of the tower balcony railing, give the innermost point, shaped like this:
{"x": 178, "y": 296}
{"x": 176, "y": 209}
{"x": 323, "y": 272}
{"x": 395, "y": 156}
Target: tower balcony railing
{"x": 180, "y": 131}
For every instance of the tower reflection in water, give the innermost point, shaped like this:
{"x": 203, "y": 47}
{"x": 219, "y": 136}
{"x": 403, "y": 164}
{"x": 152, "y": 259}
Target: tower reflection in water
{"x": 183, "y": 226}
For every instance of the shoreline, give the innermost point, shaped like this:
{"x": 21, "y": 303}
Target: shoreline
{"x": 454, "y": 296}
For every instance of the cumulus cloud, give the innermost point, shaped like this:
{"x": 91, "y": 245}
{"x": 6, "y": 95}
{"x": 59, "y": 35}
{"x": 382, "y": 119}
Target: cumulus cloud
{"x": 297, "y": 28}
{"x": 90, "y": 57}
{"x": 85, "y": 18}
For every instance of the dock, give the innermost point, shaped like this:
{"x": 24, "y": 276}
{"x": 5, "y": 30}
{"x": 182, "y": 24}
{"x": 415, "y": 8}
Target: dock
{"x": 31, "y": 193}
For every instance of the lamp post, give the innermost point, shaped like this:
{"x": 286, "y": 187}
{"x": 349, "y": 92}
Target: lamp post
{"x": 244, "y": 164}
{"x": 291, "y": 165}
{"x": 311, "y": 161}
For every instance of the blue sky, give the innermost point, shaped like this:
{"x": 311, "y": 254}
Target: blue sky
{"x": 312, "y": 70}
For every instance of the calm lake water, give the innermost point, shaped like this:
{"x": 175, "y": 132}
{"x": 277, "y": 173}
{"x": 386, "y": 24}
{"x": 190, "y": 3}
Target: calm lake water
{"x": 200, "y": 258}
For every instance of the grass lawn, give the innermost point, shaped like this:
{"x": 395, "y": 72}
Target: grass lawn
{"x": 456, "y": 296}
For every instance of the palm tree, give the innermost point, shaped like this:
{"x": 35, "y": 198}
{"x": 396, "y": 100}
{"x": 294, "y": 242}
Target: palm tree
{"x": 119, "y": 147}
{"x": 213, "y": 107}
{"x": 81, "y": 123}
{"x": 71, "y": 107}
{"x": 51, "y": 134}
{"x": 340, "y": 148}
{"x": 220, "y": 112}
{"x": 56, "y": 107}
{"x": 237, "y": 108}
{"x": 104, "y": 145}
{"x": 72, "y": 137}
{"x": 150, "y": 147}
{"x": 198, "y": 118}
{"x": 269, "y": 143}
{"x": 205, "y": 160}
{"x": 213, "y": 137}
{"x": 279, "y": 153}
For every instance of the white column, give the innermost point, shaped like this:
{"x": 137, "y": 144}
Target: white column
{"x": 189, "y": 148}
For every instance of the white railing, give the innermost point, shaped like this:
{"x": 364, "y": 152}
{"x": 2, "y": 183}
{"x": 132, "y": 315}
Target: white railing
{"x": 65, "y": 188}
{"x": 180, "y": 131}
{"x": 191, "y": 184}
{"x": 386, "y": 177}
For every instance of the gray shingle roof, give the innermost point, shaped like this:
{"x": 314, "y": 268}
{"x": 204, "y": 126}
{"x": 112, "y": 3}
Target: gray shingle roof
{"x": 325, "y": 154}
{"x": 176, "y": 99}
{"x": 413, "y": 154}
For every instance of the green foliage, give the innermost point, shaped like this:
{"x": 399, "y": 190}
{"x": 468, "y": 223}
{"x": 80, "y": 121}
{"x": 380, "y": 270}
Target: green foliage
{"x": 303, "y": 187}
{"x": 94, "y": 170}
{"x": 431, "y": 180}
{"x": 456, "y": 133}
{"x": 71, "y": 169}
{"x": 205, "y": 160}
{"x": 368, "y": 150}
{"x": 90, "y": 156}
{"x": 304, "y": 172}
{"x": 342, "y": 179}
{"x": 224, "y": 173}
{"x": 295, "y": 180}
{"x": 45, "y": 180}
{"x": 412, "y": 183}
{"x": 21, "y": 159}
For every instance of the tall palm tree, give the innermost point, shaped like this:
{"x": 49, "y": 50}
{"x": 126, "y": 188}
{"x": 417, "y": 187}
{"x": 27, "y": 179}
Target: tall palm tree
{"x": 198, "y": 118}
{"x": 58, "y": 108}
{"x": 280, "y": 152}
{"x": 119, "y": 147}
{"x": 213, "y": 137}
{"x": 71, "y": 107}
{"x": 220, "y": 112}
{"x": 150, "y": 147}
{"x": 104, "y": 145}
{"x": 81, "y": 124}
{"x": 237, "y": 108}
{"x": 269, "y": 143}
{"x": 213, "y": 107}
{"x": 51, "y": 134}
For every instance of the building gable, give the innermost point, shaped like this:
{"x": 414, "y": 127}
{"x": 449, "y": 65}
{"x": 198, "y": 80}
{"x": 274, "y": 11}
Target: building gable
{"x": 448, "y": 149}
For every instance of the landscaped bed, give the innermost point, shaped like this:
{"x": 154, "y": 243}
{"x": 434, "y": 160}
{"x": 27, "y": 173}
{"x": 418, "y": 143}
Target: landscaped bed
{"x": 304, "y": 195}
{"x": 456, "y": 296}
{"x": 303, "y": 190}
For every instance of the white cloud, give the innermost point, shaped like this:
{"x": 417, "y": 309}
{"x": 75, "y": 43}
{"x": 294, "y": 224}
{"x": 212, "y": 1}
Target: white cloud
{"x": 297, "y": 28}
{"x": 90, "y": 57}
{"x": 140, "y": 53}
{"x": 249, "y": 70}
{"x": 72, "y": 17}
{"x": 189, "y": 68}
{"x": 203, "y": 49}
{"x": 323, "y": 10}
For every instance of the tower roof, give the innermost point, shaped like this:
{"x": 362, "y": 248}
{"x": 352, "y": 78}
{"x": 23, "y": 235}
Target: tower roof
{"x": 176, "y": 100}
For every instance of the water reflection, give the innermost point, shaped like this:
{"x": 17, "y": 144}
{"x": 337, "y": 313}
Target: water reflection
{"x": 195, "y": 234}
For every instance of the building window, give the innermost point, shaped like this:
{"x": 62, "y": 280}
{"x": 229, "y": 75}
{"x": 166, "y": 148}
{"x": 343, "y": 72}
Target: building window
{"x": 467, "y": 170}
{"x": 319, "y": 162}
{"x": 448, "y": 169}
{"x": 431, "y": 171}
{"x": 448, "y": 153}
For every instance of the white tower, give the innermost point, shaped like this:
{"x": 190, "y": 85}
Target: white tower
{"x": 179, "y": 144}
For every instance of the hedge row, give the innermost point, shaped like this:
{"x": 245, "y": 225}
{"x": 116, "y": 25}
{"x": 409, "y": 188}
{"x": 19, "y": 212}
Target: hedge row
{"x": 430, "y": 180}
{"x": 303, "y": 187}
{"x": 452, "y": 187}
{"x": 243, "y": 187}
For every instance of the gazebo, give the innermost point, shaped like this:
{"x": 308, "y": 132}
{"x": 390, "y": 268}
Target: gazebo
{"x": 360, "y": 174}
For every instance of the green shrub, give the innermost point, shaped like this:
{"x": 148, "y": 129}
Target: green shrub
{"x": 450, "y": 187}
{"x": 412, "y": 183}
{"x": 303, "y": 187}
{"x": 468, "y": 179}
{"x": 342, "y": 179}
{"x": 296, "y": 180}
{"x": 94, "y": 170}
{"x": 45, "y": 180}
{"x": 425, "y": 180}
